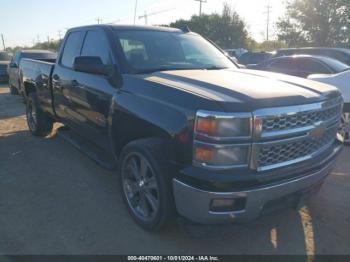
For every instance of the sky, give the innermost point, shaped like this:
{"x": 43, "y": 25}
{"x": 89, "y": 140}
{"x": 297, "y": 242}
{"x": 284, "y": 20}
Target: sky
{"x": 24, "y": 22}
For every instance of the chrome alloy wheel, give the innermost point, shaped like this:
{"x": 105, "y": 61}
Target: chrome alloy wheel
{"x": 140, "y": 186}
{"x": 31, "y": 115}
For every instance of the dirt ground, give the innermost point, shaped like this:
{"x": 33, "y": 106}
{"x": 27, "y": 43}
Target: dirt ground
{"x": 54, "y": 200}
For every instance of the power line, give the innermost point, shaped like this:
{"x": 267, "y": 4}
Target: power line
{"x": 146, "y": 15}
{"x": 200, "y": 5}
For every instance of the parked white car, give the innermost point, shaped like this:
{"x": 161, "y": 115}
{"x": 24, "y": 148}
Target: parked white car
{"x": 342, "y": 82}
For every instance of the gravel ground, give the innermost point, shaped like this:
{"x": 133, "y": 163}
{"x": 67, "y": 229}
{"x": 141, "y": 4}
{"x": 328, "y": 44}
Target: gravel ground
{"x": 54, "y": 200}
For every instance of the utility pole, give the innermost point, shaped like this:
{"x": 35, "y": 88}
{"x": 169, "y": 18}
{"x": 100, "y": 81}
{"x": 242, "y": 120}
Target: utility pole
{"x": 99, "y": 20}
{"x": 146, "y": 15}
{"x": 135, "y": 11}
{"x": 200, "y": 5}
{"x": 3, "y": 41}
{"x": 60, "y": 35}
{"x": 268, "y": 7}
{"x": 38, "y": 38}
{"x": 48, "y": 41}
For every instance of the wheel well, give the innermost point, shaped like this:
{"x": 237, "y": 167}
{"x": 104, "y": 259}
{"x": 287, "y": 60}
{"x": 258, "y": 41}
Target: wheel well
{"x": 134, "y": 130}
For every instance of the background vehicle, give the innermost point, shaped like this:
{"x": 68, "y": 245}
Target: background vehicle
{"x": 237, "y": 52}
{"x": 253, "y": 58}
{"x": 14, "y": 72}
{"x": 342, "y": 82}
{"x": 302, "y": 65}
{"x": 341, "y": 54}
{"x": 4, "y": 61}
{"x": 177, "y": 115}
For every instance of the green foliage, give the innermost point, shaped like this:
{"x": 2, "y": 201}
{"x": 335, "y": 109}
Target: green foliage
{"x": 227, "y": 30}
{"x": 316, "y": 23}
{"x": 266, "y": 45}
{"x": 53, "y": 46}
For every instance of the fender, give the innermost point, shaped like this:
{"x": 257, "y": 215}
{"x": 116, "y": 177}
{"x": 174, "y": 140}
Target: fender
{"x": 135, "y": 116}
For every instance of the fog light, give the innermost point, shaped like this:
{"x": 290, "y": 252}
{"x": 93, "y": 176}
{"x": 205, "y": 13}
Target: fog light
{"x": 221, "y": 205}
{"x": 227, "y": 205}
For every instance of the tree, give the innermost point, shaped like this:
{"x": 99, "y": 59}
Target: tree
{"x": 316, "y": 23}
{"x": 53, "y": 46}
{"x": 228, "y": 30}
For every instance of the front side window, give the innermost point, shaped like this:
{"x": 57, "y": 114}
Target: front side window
{"x": 96, "y": 44}
{"x": 72, "y": 48}
{"x": 148, "y": 51}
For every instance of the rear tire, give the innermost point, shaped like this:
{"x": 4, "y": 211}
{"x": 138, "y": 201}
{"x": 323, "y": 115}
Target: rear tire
{"x": 145, "y": 181}
{"x": 38, "y": 122}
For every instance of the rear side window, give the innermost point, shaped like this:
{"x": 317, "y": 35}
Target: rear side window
{"x": 308, "y": 65}
{"x": 72, "y": 48}
{"x": 284, "y": 64}
{"x": 96, "y": 44}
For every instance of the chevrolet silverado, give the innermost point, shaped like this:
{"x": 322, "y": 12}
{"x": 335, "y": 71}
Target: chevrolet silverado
{"x": 189, "y": 133}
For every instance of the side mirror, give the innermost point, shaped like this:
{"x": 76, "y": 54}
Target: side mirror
{"x": 90, "y": 64}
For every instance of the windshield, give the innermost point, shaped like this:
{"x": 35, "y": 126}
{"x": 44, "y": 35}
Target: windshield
{"x": 336, "y": 65}
{"x": 150, "y": 51}
{"x": 4, "y": 56}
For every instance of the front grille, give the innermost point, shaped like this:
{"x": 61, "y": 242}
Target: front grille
{"x": 281, "y": 153}
{"x": 290, "y": 135}
{"x": 301, "y": 119}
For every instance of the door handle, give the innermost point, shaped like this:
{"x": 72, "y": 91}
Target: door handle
{"x": 75, "y": 83}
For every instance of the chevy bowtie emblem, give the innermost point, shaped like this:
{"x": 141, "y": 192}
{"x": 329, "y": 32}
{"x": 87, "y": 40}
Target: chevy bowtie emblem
{"x": 318, "y": 131}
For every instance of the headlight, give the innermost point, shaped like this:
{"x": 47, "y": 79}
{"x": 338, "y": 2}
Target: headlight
{"x": 220, "y": 156}
{"x": 221, "y": 139}
{"x": 222, "y": 126}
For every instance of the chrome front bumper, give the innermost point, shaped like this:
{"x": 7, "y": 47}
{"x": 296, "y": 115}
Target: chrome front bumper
{"x": 194, "y": 204}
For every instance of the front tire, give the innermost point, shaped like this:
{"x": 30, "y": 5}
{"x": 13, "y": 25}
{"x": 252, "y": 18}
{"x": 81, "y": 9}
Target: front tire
{"x": 38, "y": 122}
{"x": 345, "y": 127}
{"x": 146, "y": 183}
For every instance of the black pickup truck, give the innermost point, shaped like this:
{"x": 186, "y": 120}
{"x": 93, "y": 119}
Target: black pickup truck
{"x": 189, "y": 132}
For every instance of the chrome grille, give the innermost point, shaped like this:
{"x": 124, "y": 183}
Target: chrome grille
{"x": 289, "y": 135}
{"x": 300, "y": 119}
{"x": 302, "y": 148}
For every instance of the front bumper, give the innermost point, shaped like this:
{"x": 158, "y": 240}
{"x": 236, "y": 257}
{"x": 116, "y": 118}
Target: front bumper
{"x": 195, "y": 204}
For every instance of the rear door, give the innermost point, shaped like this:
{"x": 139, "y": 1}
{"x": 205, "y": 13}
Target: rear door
{"x": 63, "y": 78}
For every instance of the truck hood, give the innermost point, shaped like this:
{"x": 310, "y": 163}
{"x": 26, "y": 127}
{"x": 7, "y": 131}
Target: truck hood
{"x": 249, "y": 88}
